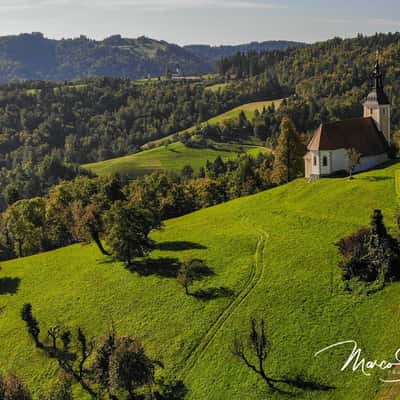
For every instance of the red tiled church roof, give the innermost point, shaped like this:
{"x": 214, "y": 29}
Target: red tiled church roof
{"x": 361, "y": 134}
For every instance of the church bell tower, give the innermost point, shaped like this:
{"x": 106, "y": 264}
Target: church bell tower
{"x": 377, "y": 104}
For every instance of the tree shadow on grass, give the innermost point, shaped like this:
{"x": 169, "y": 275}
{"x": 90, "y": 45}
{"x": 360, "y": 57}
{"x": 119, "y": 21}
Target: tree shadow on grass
{"x": 107, "y": 260}
{"x": 9, "y": 285}
{"x": 298, "y": 386}
{"x": 201, "y": 270}
{"x": 162, "y": 267}
{"x": 179, "y": 246}
{"x": 375, "y": 178}
{"x": 212, "y": 293}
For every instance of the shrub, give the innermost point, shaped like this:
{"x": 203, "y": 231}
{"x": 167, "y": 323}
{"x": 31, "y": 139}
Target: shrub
{"x": 370, "y": 254}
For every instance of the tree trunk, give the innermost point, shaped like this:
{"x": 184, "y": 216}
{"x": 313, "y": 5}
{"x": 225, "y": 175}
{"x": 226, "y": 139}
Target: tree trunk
{"x": 20, "y": 248}
{"x": 96, "y": 238}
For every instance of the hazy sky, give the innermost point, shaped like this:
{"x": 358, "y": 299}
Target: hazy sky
{"x": 201, "y": 21}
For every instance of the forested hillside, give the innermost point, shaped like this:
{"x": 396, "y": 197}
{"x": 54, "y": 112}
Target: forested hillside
{"x": 214, "y": 53}
{"x": 97, "y": 120}
{"x": 32, "y": 56}
{"x": 102, "y": 118}
{"x": 328, "y": 80}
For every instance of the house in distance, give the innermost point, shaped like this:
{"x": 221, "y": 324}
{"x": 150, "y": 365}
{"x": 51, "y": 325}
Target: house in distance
{"x": 369, "y": 135}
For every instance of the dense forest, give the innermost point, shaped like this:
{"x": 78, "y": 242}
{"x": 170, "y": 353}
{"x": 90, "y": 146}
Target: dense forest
{"x": 96, "y": 120}
{"x": 214, "y": 53}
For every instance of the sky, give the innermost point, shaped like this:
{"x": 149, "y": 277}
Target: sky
{"x": 201, "y": 21}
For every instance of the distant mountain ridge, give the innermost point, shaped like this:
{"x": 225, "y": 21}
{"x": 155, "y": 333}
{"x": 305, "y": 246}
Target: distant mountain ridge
{"x": 215, "y": 52}
{"x": 35, "y": 57}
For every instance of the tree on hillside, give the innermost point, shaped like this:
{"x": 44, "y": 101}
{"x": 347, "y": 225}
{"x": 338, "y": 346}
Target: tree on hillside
{"x": 289, "y": 151}
{"x": 116, "y": 367}
{"x": 130, "y": 368}
{"x": 354, "y": 158}
{"x": 127, "y": 230}
{"x": 25, "y": 225}
{"x": 370, "y": 254}
{"x": 187, "y": 172}
{"x": 188, "y": 272}
{"x": 258, "y": 344}
{"x": 89, "y": 224}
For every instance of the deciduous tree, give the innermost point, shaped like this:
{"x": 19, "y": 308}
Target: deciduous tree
{"x": 127, "y": 231}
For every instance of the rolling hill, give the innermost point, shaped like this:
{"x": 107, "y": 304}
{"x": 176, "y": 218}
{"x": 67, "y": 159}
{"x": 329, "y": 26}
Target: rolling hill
{"x": 172, "y": 157}
{"x": 33, "y": 57}
{"x": 248, "y": 109}
{"x": 216, "y": 52}
{"x": 274, "y": 250}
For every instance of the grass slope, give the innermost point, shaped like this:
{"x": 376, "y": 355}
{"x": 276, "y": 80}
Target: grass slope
{"x": 275, "y": 250}
{"x": 169, "y": 158}
{"x": 248, "y": 109}
{"x": 218, "y": 86}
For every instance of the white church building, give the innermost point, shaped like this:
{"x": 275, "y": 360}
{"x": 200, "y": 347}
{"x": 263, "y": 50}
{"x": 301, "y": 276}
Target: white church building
{"x": 369, "y": 135}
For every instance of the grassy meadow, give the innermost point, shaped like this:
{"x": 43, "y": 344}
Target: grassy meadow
{"x": 171, "y": 157}
{"x": 274, "y": 254}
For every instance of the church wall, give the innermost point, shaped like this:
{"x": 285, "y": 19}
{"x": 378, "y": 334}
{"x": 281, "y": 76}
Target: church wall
{"x": 385, "y": 122}
{"x": 315, "y": 165}
{"x": 381, "y": 115}
{"x": 371, "y": 162}
{"x": 339, "y": 160}
{"x": 325, "y": 162}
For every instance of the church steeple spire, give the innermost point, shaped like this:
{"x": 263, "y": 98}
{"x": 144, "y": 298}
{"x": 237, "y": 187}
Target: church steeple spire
{"x": 378, "y": 92}
{"x": 377, "y": 74}
{"x": 377, "y": 104}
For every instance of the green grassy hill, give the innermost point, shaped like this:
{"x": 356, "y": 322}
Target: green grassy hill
{"x": 274, "y": 250}
{"x": 174, "y": 156}
{"x": 169, "y": 158}
{"x": 248, "y": 109}
{"x": 217, "y": 86}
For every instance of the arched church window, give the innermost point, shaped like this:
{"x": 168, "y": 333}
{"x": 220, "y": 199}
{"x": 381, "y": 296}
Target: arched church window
{"x": 315, "y": 160}
{"x": 324, "y": 161}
